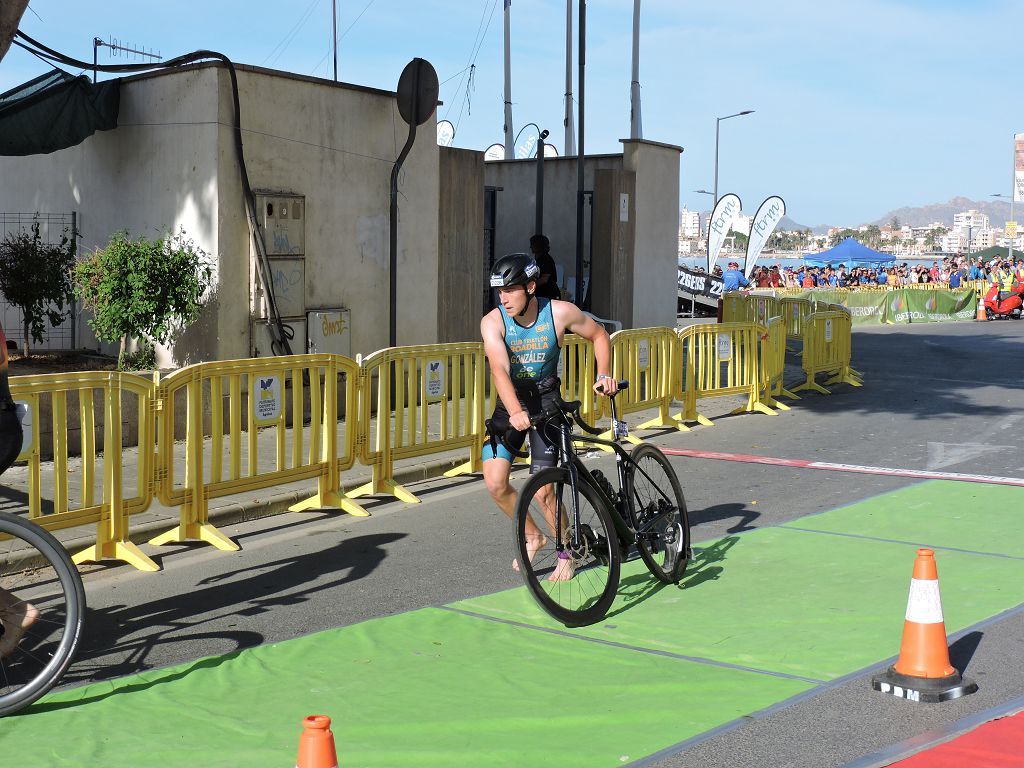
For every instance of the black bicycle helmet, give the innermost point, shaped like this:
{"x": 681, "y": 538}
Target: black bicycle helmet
{"x": 514, "y": 269}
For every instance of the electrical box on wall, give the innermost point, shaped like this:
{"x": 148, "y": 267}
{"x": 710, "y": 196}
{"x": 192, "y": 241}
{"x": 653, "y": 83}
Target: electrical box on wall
{"x": 281, "y": 218}
{"x": 261, "y": 336}
{"x": 330, "y": 332}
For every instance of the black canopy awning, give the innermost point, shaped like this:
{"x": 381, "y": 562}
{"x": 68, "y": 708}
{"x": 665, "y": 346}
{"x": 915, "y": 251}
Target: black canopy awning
{"x": 56, "y": 111}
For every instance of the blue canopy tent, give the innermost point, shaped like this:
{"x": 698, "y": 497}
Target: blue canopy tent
{"x": 852, "y": 254}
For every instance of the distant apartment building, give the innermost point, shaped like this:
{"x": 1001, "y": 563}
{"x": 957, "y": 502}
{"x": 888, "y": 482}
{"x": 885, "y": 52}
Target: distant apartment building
{"x": 986, "y": 238}
{"x": 741, "y": 224}
{"x": 970, "y": 220}
{"x": 953, "y": 242}
{"x": 689, "y": 224}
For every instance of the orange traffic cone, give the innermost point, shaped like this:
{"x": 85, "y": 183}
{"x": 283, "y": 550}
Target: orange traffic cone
{"x": 923, "y": 672}
{"x": 316, "y": 744}
{"x": 982, "y": 314}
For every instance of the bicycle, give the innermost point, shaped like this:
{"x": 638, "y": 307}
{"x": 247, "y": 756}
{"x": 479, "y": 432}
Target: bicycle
{"x": 601, "y": 523}
{"x": 36, "y": 569}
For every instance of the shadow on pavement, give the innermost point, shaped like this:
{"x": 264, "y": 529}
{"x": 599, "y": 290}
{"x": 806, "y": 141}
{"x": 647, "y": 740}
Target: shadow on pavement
{"x": 962, "y": 650}
{"x": 130, "y": 633}
{"x": 726, "y": 512}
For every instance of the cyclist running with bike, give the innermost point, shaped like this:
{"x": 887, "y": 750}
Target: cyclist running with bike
{"x": 523, "y": 340}
{"x": 16, "y": 616}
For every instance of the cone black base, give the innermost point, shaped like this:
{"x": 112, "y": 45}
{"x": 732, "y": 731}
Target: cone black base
{"x": 927, "y": 690}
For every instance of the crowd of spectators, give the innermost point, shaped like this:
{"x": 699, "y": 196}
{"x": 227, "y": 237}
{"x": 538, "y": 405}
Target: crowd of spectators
{"x": 952, "y": 271}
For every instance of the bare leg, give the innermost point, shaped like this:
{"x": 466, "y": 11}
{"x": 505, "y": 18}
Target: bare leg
{"x": 16, "y": 616}
{"x": 546, "y": 498}
{"x": 496, "y": 472}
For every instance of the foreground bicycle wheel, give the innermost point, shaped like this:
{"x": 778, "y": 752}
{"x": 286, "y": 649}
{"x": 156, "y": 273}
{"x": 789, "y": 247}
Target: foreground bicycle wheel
{"x": 657, "y": 495}
{"x": 35, "y": 569}
{"x": 579, "y": 588}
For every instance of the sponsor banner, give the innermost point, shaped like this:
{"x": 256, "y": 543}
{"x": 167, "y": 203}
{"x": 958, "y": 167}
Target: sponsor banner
{"x": 867, "y": 308}
{"x": 1018, "y": 168}
{"x": 725, "y": 213}
{"x": 763, "y": 224}
{"x": 700, "y": 284}
{"x": 915, "y": 306}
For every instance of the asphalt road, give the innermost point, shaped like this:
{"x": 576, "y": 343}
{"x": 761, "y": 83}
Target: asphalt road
{"x": 945, "y": 397}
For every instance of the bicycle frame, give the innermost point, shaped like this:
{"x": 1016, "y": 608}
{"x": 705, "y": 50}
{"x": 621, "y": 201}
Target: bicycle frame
{"x": 629, "y": 532}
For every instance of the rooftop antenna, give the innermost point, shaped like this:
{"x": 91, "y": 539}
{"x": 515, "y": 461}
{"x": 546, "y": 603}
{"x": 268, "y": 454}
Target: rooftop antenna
{"x": 115, "y": 48}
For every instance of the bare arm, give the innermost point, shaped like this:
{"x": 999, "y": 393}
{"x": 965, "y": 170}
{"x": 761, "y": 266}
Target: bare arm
{"x": 491, "y": 329}
{"x": 574, "y": 321}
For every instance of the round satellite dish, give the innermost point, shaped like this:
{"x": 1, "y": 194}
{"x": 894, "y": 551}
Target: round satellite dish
{"x": 445, "y": 133}
{"x": 550, "y": 150}
{"x": 526, "y": 142}
{"x": 417, "y": 92}
{"x": 495, "y": 152}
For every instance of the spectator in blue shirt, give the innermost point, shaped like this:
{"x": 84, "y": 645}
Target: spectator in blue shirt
{"x": 733, "y": 278}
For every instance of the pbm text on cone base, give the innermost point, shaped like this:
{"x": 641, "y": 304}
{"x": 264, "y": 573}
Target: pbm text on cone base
{"x": 927, "y": 690}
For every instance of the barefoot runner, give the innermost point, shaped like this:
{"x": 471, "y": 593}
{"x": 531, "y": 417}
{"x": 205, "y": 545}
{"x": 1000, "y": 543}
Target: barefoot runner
{"x": 16, "y": 616}
{"x": 522, "y": 340}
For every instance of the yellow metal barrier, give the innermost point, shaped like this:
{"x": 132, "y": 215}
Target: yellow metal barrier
{"x": 434, "y": 386}
{"x": 112, "y": 510}
{"x": 272, "y": 393}
{"x": 763, "y": 308}
{"x": 773, "y": 362}
{"x": 647, "y": 357}
{"x": 735, "y": 308}
{"x": 828, "y": 349}
{"x": 795, "y": 312}
{"x": 720, "y": 360}
{"x": 578, "y": 371}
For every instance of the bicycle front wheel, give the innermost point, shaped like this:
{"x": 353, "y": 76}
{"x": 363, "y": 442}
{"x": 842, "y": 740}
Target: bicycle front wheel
{"x": 662, "y": 519}
{"x": 576, "y": 585}
{"x": 43, "y": 601}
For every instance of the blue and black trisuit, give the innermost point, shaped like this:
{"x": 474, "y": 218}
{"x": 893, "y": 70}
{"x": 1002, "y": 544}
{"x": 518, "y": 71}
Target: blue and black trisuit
{"x": 533, "y": 365}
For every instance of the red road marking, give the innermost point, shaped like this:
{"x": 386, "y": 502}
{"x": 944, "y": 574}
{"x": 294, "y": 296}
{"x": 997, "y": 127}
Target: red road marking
{"x": 747, "y": 458}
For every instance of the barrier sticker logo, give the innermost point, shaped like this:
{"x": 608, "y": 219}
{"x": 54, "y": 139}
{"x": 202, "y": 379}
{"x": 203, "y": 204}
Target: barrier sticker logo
{"x": 434, "y": 381}
{"x": 643, "y": 354}
{"x": 828, "y": 329}
{"x": 724, "y": 346}
{"x": 266, "y": 398}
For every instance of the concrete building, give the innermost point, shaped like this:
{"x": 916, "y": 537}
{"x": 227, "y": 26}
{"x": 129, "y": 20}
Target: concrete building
{"x": 689, "y": 224}
{"x": 319, "y": 155}
{"x": 971, "y": 219}
{"x": 631, "y": 238}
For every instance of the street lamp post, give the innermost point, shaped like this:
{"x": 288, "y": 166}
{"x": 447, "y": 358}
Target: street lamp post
{"x": 718, "y": 122}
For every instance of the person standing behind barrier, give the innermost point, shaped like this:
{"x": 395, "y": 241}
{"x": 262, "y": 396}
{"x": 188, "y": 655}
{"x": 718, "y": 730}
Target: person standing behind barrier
{"x": 16, "y": 616}
{"x": 547, "y": 280}
{"x": 522, "y": 340}
{"x": 733, "y": 278}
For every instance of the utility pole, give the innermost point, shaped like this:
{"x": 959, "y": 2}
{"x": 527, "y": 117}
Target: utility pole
{"x": 334, "y": 33}
{"x": 509, "y": 141}
{"x": 636, "y": 130}
{"x": 580, "y": 155}
{"x": 570, "y": 132}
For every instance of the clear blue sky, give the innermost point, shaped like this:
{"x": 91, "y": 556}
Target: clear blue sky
{"x": 861, "y": 107}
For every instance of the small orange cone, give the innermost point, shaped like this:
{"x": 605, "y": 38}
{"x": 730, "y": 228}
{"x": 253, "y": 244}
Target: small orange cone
{"x": 982, "y": 314}
{"x": 923, "y": 672}
{"x": 316, "y": 744}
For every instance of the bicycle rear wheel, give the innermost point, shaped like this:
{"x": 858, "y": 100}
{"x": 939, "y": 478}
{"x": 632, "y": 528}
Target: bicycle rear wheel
{"x": 578, "y": 588}
{"x": 657, "y": 496}
{"x": 36, "y": 572}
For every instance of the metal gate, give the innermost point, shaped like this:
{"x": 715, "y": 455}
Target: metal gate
{"x": 52, "y": 227}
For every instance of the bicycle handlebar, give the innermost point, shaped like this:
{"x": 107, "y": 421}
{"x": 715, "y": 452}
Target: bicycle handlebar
{"x": 558, "y": 407}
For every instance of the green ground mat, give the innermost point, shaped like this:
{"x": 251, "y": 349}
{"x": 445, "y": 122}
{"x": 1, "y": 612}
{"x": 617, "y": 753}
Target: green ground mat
{"x": 427, "y": 688}
{"x": 438, "y": 687}
{"x": 799, "y": 603}
{"x": 939, "y": 513}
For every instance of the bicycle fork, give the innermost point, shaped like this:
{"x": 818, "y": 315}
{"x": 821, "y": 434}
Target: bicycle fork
{"x": 566, "y": 447}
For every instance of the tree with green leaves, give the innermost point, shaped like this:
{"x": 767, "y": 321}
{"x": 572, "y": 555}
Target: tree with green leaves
{"x": 146, "y": 290}
{"x": 35, "y": 276}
